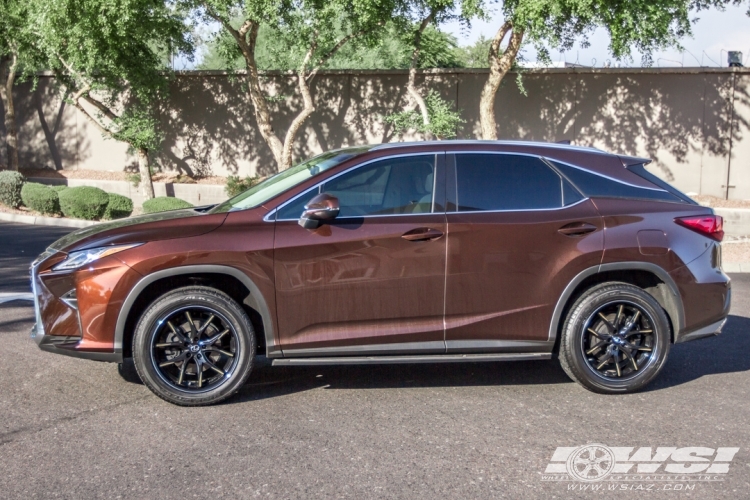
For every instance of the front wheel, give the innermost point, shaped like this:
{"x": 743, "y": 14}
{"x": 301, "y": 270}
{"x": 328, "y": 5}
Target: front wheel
{"x": 194, "y": 346}
{"x": 615, "y": 339}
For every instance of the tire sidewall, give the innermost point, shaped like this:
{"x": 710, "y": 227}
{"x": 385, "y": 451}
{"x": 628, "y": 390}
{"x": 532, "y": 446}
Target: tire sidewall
{"x": 179, "y": 299}
{"x": 584, "y": 308}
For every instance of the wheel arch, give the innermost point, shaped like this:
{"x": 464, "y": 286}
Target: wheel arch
{"x": 650, "y": 277}
{"x": 157, "y": 283}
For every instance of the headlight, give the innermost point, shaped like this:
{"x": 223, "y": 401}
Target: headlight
{"x": 74, "y": 260}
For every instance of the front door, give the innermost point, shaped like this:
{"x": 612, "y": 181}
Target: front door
{"x": 518, "y": 234}
{"x": 371, "y": 281}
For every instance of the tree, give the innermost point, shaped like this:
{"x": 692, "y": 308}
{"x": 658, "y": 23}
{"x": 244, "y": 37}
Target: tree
{"x": 14, "y": 46}
{"x": 431, "y": 12}
{"x": 314, "y": 30}
{"x": 108, "y": 56}
{"x": 645, "y": 25}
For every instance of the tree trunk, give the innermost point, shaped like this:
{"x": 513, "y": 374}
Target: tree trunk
{"x": 147, "y": 185}
{"x": 499, "y": 67}
{"x": 8, "y": 67}
{"x": 307, "y": 110}
{"x": 411, "y": 87}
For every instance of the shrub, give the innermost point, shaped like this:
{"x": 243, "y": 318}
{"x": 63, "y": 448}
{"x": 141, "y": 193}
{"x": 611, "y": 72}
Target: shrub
{"x": 118, "y": 207}
{"x": 83, "y": 202}
{"x": 41, "y": 198}
{"x": 10, "y": 188}
{"x": 236, "y": 185}
{"x": 164, "y": 203}
{"x": 58, "y": 188}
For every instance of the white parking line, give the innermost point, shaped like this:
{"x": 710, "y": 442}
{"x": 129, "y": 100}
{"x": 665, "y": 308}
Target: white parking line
{"x": 7, "y": 297}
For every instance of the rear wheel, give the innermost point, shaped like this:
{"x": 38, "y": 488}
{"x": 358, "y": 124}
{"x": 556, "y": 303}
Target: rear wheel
{"x": 615, "y": 339}
{"x": 194, "y": 346}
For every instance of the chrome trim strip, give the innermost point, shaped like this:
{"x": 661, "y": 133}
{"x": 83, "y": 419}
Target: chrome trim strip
{"x": 437, "y": 346}
{"x": 474, "y": 142}
{"x": 254, "y": 299}
{"x": 706, "y": 331}
{"x": 373, "y": 160}
{"x": 477, "y": 346}
{"x": 430, "y": 358}
{"x": 459, "y": 212}
{"x": 617, "y": 266}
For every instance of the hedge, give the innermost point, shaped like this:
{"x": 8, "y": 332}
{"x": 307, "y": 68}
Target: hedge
{"x": 163, "y": 203}
{"x": 41, "y": 198}
{"x": 119, "y": 207}
{"x": 59, "y": 187}
{"x": 10, "y": 188}
{"x": 83, "y": 202}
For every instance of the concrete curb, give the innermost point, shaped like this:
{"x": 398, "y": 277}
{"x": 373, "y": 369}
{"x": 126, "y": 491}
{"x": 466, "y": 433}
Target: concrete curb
{"x": 736, "y": 267}
{"x": 46, "y": 221}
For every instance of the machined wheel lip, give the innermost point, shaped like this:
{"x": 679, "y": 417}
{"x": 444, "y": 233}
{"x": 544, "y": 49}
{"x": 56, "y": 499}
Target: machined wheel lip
{"x": 651, "y": 359}
{"x": 161, "y": 323}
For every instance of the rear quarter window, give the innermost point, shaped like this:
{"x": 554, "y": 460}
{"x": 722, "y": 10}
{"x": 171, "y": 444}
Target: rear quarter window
{"x": 595, "y": 185}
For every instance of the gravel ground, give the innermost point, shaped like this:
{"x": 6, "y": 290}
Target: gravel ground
{"x": 103, "y": 175}
{"x": 713, "y": 201}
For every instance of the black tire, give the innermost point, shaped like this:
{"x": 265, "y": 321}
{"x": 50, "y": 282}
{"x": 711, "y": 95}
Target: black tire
{"x": 597, "y": 349}
{"x": 194, "y": 346}
{"x": 127, "y": 371}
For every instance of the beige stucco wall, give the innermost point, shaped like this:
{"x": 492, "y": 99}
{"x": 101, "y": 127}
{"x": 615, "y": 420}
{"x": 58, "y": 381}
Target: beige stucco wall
{"x": 694, "y": 123}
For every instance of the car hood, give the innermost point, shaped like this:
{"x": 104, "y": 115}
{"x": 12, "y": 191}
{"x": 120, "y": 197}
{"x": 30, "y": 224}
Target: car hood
{"x": 140, "y": 229}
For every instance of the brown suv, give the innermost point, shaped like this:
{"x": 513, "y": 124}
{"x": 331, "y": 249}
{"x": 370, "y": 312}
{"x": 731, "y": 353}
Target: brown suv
{"x": 397, "y": 253}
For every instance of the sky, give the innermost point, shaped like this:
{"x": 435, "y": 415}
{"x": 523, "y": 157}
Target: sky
{"x": 714, "y": 34}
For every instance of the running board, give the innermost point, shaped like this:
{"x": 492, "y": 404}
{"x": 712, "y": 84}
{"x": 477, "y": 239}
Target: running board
{"x": 426, "y": 358}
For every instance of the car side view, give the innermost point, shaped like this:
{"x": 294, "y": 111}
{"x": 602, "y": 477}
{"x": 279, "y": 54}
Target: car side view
{"x": 422, "y": 252}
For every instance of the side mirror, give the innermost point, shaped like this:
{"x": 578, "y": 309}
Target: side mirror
{"x": 321, "y": 207}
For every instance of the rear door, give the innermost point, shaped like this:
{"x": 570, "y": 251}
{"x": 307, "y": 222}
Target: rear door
{"x": 517, "y": 235}
{"x": 371, "y": 281}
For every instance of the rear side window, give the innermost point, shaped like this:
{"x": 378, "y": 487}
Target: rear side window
{"x": 591, "y": 184}
{"x": 641, "y": 171}
{"x": 487, "y": 182}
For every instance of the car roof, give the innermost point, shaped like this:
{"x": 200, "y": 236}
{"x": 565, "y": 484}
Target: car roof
{"x": 478, "y": 142}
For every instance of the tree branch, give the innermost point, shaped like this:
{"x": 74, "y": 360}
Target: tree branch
{"x": 328, "y": 55}
{"x": 411, "y": 84}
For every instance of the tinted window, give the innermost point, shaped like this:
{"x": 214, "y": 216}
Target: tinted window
{"x": 506, "y": 182}
{"x": 592, "y": 184}
{"x": 390, "y": 186}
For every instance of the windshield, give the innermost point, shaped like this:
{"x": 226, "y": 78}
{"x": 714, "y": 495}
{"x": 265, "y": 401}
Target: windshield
{"x": 283, "y": 181}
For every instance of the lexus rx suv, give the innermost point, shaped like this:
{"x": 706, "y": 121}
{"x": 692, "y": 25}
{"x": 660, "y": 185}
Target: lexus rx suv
{"x": 397, "y": 253}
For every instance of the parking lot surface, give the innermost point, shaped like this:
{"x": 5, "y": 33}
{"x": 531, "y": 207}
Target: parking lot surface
{"x": 72, "y": 428}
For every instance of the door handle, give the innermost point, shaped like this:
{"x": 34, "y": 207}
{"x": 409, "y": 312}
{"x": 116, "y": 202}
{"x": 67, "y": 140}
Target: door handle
{"x": 577, "y": 229}
{"x": 422, "y": 234}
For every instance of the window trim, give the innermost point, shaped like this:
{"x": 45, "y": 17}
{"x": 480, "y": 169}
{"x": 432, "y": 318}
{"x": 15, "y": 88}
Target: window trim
{"x": 549, "y": 161}
{"x": 271, "y": 216}
{"x": 453, "y": 197}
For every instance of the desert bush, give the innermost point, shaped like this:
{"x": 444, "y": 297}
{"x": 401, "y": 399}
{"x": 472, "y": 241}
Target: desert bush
{"x": 118, "y": 207}
{"x": 83, "y": 202}
{"x": 236, "y": 185}
{"x": 41, "y": 198}
{"x": 10, "y": 188}
{"x": 164, "y": 203}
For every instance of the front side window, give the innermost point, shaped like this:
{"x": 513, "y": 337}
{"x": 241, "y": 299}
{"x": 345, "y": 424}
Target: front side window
{"x": 400, "y": 185}
{"x": 489, "y": 182}
{"x": 283, "y": 181}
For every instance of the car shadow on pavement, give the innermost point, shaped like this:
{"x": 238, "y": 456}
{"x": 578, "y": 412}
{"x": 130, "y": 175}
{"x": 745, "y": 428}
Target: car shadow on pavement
{"x": 726, "y": 353}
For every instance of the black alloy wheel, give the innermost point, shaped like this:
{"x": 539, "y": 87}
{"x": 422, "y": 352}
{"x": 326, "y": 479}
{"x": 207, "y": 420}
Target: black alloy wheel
{"x": 615, "y": 338}
{"x": 194, "y": 346}
{"x": 618, "y": 340}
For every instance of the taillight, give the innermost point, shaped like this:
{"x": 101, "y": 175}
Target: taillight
{"x": 708, "y": 225}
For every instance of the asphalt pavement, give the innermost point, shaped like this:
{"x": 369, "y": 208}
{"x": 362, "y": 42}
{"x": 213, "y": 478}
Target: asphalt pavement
{"x": 72, "y": 428}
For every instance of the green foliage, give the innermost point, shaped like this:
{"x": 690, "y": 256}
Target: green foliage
{"x": 138, "y": 127}
{"x": 83, "y": 202}
{"x": 58, "y": 188}
{"x": 236, "y": 185}
{"x": 11, "y": 184}
{"x": 134, "y": 179}
{"x": 164, "y": 203}
{"x": 40, "y": 198}
{"x": 118, "y": 207}
{"x": 444, "y": 122}
{"x": 476, "y": 55}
